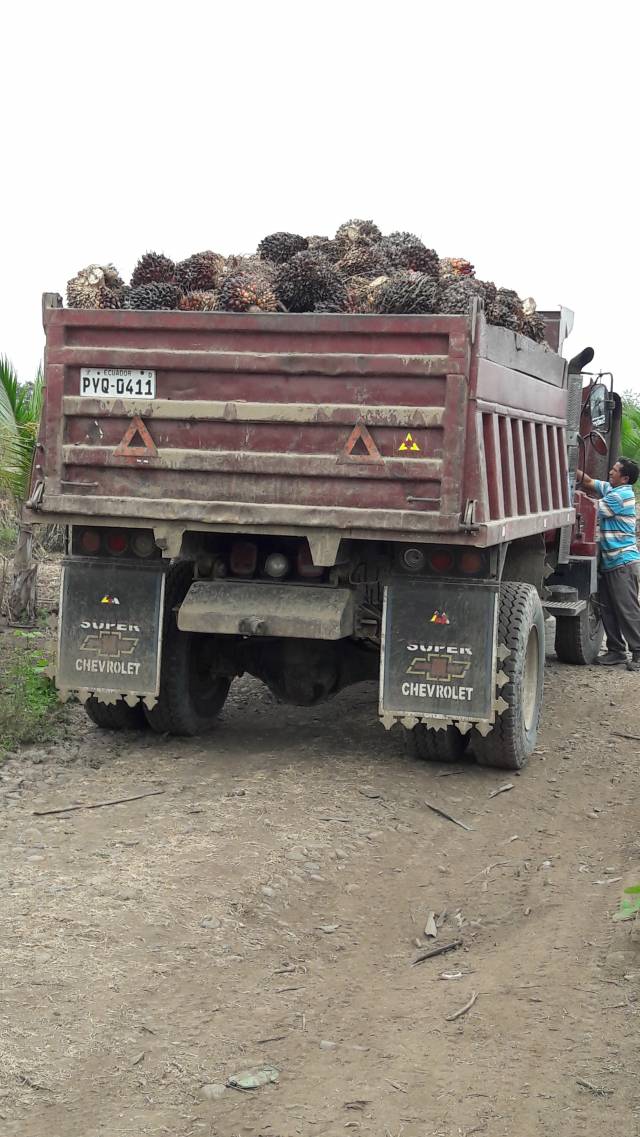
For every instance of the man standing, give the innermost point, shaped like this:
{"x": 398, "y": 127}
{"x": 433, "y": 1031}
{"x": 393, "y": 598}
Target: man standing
{"x": 619, "y": 578}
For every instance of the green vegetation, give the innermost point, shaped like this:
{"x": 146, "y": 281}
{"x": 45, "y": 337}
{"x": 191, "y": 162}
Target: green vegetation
{"x": 29, "y": 707}
{"x": 630, "y": 428}
{"x": 630, "y": 432}
{"x": 20, "y": 409}
{"x": 8, "y": 535}
{"x": 629, "y": 909}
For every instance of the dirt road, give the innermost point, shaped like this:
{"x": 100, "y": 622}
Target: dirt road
{"x": 263, "y": 910}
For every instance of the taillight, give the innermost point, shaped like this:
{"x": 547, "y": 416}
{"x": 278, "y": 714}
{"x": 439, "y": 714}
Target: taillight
{"x": 143, "y": 543}
{"x": 471, "y": 562}
{"x": 89, "y": 541}
{"x": 243, "y": 559}
{"x": 441, "y": 560}
{"x": 117, "y": 543}
{"x": 305, "y": 565}
{"x": 413, "y": 559}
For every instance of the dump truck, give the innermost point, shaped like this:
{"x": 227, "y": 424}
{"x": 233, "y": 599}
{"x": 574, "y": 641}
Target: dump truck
{"x": 319, "y": 500}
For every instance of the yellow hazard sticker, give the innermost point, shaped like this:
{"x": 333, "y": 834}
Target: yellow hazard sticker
{"x": 409, "y": 444}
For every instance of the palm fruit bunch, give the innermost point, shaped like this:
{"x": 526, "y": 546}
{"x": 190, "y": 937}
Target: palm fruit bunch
{"x": 369, "y": 297}
{"x": 199, "y": 302}
{"x": 456, "y": 266}
{"x": 532, "y": 324}
{"x": 327, "y": 247}
{"x": 407, "y": 292}
{"x": 96, "y": 286}
{"x": 245, "y": 292}
{"x": 457, "y": 293}
{"x": 506, "y": 309}
{"x": 154, "y": 296}
{"x": 358, "y": 270}
{"x": 362, "y": 258}
{"x": 356, "y": 229}
{"x": 489, "y": 291}
{"x": 153, "y": 268}
{"x": 347, "y": 234}
{"x": 254, "y": 265}
{"x": 330, "y": 249}
{"x": 200, "y": 272}
{"x": 309, "y": 279}
{"x": 406, "y": 251}
{"x": 327, "y": 307}
{"x": 360, "y": 290}
{"x": 281, "y": 247}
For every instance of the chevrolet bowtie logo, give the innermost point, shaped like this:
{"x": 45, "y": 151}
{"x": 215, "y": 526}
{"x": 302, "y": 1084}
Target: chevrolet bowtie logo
{"x": 439, "y": 665}
{"x": 111, "y": 643}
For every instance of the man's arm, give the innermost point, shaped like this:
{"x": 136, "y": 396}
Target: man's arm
{"x": 583, "y": 480}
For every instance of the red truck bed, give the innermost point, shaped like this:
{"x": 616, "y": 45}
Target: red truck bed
{"x": 253, "y": 425}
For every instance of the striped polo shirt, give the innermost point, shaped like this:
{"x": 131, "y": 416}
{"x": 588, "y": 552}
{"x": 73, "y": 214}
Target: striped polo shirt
{"x": 617, "y": 516}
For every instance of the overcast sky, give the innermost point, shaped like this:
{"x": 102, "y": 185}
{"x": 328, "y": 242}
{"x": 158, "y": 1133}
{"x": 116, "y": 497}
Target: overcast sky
{"x": 506, "y": 133}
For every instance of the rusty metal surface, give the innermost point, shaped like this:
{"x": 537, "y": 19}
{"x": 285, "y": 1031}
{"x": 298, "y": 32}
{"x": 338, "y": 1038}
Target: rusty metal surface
{"x": 260, "y": 608}
{"x": 377, "y": 424}
{"x": 202, "y": 410}
{"x": 521, "y": 354}
{"x": 296, "y": 520}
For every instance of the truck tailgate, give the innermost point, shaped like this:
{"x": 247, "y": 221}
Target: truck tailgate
{"x": 331, "y": 421}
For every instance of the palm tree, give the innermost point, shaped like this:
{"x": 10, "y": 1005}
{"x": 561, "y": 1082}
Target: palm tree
{"x": 630, "y": 430}
{"x": 20, "y": 409}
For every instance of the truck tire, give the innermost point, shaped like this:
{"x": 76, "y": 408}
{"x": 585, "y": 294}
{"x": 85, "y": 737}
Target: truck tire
{"x": 521, "y": 630}
{"x": 191, "y": 695}
{"x": 115, "y": 716}
{"x": 435, "y": 745}
{"x": 579, "y": 638}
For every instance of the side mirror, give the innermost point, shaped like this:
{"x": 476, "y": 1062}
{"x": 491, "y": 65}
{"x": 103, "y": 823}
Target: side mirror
{"x": 599, "y": 443}
{"x": 600, "y": 409}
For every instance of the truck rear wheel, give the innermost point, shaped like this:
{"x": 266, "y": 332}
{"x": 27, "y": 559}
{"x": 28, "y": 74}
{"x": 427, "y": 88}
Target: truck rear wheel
{"x": 579, "y": 638}
{"x": 446, "y": 745}
{"x": 521, "y": 629}
{"x": 115, "y": 716}
{"x": 191, "y": 694}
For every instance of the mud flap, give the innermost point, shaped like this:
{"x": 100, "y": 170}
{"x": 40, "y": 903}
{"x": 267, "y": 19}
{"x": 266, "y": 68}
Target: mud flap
{"x": 110, "y": 629}
{"x": 438, "y": 660}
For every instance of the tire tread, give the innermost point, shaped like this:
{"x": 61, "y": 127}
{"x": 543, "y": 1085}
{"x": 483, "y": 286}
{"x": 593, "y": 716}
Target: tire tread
{"x": 172, "y": 712}
{"x": 501, "y": 747}
{"x": 573, "y": 643}
{"x": 430, "y": 745}
{"x": 115, "y": 716}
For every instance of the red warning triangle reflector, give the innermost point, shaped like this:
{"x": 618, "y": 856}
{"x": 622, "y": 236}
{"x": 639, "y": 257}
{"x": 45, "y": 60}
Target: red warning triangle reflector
{"x": 136, "y": 429}
{"x": 361, "y": 434}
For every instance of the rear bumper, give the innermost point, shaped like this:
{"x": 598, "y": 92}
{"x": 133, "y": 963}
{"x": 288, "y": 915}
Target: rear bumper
{"x": 259, "y": 608}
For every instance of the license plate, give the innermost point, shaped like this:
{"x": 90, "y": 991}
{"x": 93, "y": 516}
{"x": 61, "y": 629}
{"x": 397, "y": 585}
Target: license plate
{"x": 117, "y": 383}
{"x": 110, "y": 627}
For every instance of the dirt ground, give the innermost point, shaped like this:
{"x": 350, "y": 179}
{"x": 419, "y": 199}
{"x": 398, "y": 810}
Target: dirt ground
{"x": 263, "y": 909}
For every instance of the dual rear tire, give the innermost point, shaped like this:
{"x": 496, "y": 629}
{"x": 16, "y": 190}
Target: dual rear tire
{"x": 446, "y": 745}
{"x": 513, "y": 738}
{"x": 115, "y": 716}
